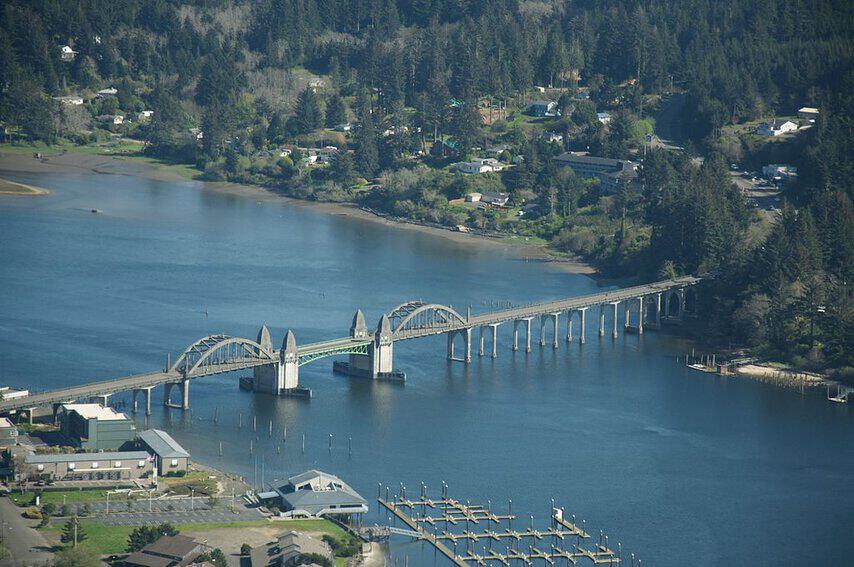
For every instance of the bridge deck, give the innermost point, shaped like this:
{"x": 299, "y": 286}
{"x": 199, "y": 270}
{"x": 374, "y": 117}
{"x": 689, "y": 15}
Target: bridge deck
{"x": 332, "y": 346}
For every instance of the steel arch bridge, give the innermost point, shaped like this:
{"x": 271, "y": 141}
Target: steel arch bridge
{"x": 418, "y": 319}
{"x": 334, "y": 348}
{"x": 220, "y": 353}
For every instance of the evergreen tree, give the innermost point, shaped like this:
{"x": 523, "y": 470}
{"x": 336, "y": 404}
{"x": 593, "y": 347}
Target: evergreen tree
{"x": 336, "y": 111}
{"x": 73, "y": 532}
{"x": 308, "y": 117}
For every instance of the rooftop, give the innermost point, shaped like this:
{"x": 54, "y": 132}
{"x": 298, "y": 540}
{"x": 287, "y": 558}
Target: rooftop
{"x": 163, "y": 444}
{"x": 35, "y": 459}
{"x": 5, "y": 423}
{"x": 144, "y": 560}
{"x": 571, "y": 158}
{"x": 94, "y": 411}
{"x": 178, "y": 546}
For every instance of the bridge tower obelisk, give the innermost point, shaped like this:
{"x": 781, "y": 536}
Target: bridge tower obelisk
{"x": 289, "y": 360}
{"x": 269, "y": 378}
{"x": 360, "y": 365}
{"x": 382, "y": 349}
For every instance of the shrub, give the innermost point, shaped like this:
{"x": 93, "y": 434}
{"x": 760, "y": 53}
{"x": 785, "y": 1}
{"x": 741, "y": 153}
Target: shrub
{"x": 245, "y": 549}
{"x": 32, "y": 513}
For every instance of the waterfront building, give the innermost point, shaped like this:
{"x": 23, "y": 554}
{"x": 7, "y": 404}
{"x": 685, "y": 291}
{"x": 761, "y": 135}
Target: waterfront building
{"x": 168, "y": 551}
{"x": 116, "y": 465}
{"x": 8, "y": 433}
{"x": 7, "y": 393}
{"x": 315, "y": 494}
{"x": 169, "y": 456}
{"x": 287, "y": 549}
{"x": 94, "y": 427}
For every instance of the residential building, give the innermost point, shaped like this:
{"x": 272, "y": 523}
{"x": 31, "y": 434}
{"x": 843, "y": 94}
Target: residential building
{"x": 543, "y": 108}
{"x": 287, "y": 549}
{"x": 603, "y": 117}
{"x": 8, "y": 433}
{"x": 73, "y": 100}
{"x": 315, "y": 83}
{"x": 345, "y": 127}
{"x": 612, "y": 173}
{"x": 114, "y": 119}
{"x": 103, "y": 93}
{"x": 779, "y": 172}
{"x": 776, "y": 128}
{"x": 808, "y": 113}
{"x": 315, "y": 494}
{"x": 479, "y": 165}
{"x": 473, "y": 197}
{"x": 168, "y": 551}
{"x": 553, "y": 137}
{"x": 169, "y": 455}
{"x": 114, "y": 465}
{"x": 495, "y": 199}
{"x": 66, "y": 53}
{"x": 144, "y": 115}
{"x": 95, "y": 427}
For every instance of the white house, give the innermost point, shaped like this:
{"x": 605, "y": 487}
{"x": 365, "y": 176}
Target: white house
{"x": 114, "y": 119}
{"x": 553, "y": 137}
{"x": 345, "y": 127}
{"x": 808, "y": 113}
{"x": 145, "y": 114}
{"x": 776, "y": 128}
{"x": 603, "y": 117}
{"x": 66, "y": 53}
{"x": 74, "y": 100}
{"x": 315, "y": 83}
{"x": 495, "y": 199}
{"x": 479, "y": 165}
{"x": 107, "y": 92}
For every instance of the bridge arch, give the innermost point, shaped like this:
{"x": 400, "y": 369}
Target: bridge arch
{"x": 673, "y": 306}
{"x": 219, "y": 349}
{"x": 418, "y": 317}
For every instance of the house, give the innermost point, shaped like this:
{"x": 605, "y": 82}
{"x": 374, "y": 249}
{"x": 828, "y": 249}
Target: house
{"x": 94, "y": 427}
{"x": 287, "y": 549}
{"x": 315, "y": 83}
{"x": 66, "y": 53}
{"x": 114, "y": 119}
{"x": 8, "y": 393}
{"x": 779, "y": 172}
{"x": 473, "y": 197}
{"x": 612, "y": 173}
{"x": 8, "y": 433}
{"x": 111, "y": 465}
{"x": 315, "y": 494}
{"x": 169, "y": 455}
{"x": 553, "y": 137}
{"x": 583, "y": 95}
{"x": 542, "y": 108}
{"x": 103, "y": 93}
{"x": 73, "y": 100}
{"x": 495, "y": 199}
{"x": 195, "y": 134}
{"x": 145, "y": 115}
{"x": 345, "y": 127}
{"x": 603, "y": 117}
{"x": 326, "y": 154}
{"x": 776, "y": 128}
{"x": 479, "y": 165}
{"x": 808, "y": 113}
{"x": 168, "y": 551}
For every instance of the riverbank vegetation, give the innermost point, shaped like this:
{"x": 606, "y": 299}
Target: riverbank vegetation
{"x": 375, "y": 104}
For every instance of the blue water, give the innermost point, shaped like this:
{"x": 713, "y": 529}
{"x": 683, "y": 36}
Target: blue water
{"x": 680, "y": 467}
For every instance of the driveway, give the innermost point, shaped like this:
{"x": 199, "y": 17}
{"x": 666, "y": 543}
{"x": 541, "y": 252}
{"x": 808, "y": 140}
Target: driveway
{"x": 27, "y": 545}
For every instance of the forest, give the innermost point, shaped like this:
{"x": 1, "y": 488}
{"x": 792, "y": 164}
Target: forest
{"x": 250, "y": 91}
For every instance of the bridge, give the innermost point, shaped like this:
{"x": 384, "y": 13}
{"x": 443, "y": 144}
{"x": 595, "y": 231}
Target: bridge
{"x": 276, "y": 371}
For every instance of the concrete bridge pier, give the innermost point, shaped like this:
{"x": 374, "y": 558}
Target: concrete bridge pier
{"x": 147, "y": 392}
{"x": 494, "y": 340}
{"x": 102, "y": 399}
{"x": 269, "y": 378}
{"x": 628, "y": 321}
{"x": 601, "y": 319}
{"x": 185, "y": 393}
{"x": 288, "y": 365}
{"x": 582, "y": 335}
{"x": 451, "y": 349}
{"x": 658, "y": 309}
{"x": 569, "y": 325}
{"x": 543, "y": 330}
{"x": 555, "y": 320}
{"x": 480, "y": 352}
{"x": 640, "y": 315}
{"x": 382, "y": 352}
{"x": 616, "y": 319}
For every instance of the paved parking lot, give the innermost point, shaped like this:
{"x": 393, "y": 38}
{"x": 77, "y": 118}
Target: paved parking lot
{"x": 179, "y": 517}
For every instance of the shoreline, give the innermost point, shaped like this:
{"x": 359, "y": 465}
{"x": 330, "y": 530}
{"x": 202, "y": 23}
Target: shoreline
{"x": 14, "y": 189}
{"x": 116, "y": 165}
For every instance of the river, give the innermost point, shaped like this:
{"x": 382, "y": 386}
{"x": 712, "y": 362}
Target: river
{"x": 681, "y": 467}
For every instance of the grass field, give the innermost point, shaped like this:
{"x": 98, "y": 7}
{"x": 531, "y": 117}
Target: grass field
{"x": 197, "y": 480}
{"x": 56, "y": 496}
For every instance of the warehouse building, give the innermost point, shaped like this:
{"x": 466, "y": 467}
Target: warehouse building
{"x": 119, "y": 465}
{"x": 94, "y": 427}
{"x": 169, "y": 456}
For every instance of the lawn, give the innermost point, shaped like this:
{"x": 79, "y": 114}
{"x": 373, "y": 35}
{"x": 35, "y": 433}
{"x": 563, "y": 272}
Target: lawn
{"x": 195, "y": 479}
{"x": 56, "y": 496}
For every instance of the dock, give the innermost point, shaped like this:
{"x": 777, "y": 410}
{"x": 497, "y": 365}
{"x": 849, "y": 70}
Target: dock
{"x": 447, "y": 523}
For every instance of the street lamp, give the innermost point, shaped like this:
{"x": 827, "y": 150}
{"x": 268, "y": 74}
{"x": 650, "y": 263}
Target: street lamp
{"x": 192, "y": 494}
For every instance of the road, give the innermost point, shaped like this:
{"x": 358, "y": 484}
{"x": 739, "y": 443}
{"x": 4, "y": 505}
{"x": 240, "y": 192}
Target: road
{"x": 27, "y": 545}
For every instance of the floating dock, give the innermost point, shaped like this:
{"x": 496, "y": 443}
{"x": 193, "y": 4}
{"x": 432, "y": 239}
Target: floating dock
{"x": 453, "y": 522}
